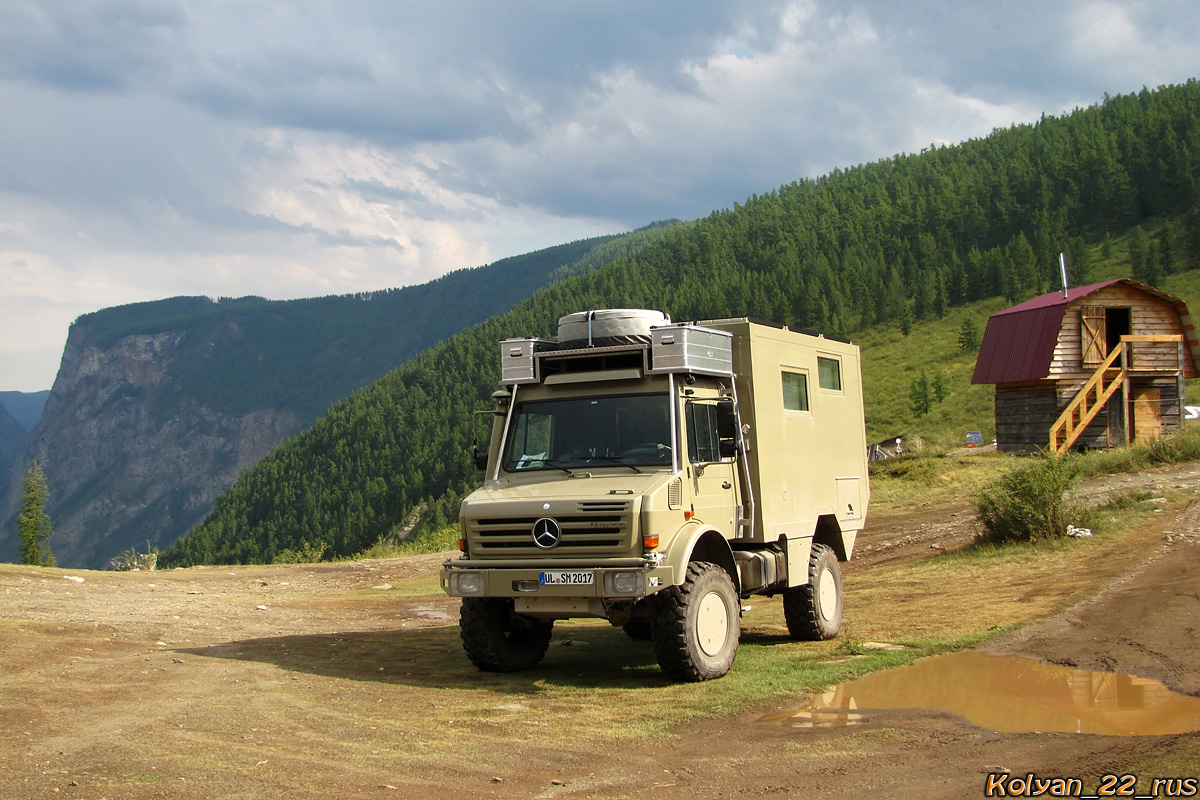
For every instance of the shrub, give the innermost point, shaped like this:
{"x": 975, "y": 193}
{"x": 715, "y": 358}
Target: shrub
{"x": 309, "y": 553}
{"x": 1027, "y": 504}
{"x": 429, "y": 541}
{"x": 1182, "y": 446}
{"x": 133, "y": 561}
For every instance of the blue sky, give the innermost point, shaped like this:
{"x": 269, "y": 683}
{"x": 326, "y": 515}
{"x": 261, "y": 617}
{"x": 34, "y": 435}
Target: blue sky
{"x": 151, "y": 148}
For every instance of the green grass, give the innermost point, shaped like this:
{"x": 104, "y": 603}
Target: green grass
{"x": 891, "y": 361}
{"x": 905, "y": 484}
{"x": 1177, "y": 448}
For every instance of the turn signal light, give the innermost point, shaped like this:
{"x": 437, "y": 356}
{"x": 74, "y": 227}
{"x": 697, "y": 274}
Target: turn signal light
{"x": 462, "y": 545}
{"x": 689, "y": 514}
{"x": 649, "y": 542}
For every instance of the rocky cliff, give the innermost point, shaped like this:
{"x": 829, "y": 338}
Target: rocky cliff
{"x": 122, "y": 466}
{"x": 12, "y": 442}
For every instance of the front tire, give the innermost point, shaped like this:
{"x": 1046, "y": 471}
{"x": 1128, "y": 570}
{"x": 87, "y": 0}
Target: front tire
{"x": 499, "y": 640}
{"x": 814, "y": 612}
{"x": 639, "y": 628}
{"x": 697, "y": 624}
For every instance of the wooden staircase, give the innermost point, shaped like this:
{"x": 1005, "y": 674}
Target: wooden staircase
{"x": 1084, "y": 407}
{"x": 1104, "y": 383}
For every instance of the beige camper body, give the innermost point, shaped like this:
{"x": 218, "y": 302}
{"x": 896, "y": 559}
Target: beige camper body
{"x": 654, "y": 474}
{"x": 807, "y": 462}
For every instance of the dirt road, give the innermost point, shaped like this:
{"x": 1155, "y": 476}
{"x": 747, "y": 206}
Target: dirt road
{"x": 347, "y": 680}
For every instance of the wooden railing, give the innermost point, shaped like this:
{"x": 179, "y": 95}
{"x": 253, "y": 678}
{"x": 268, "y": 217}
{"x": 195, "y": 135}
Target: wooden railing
{"x": 1103, "y": 384}
{"x": 1084, "y": 407}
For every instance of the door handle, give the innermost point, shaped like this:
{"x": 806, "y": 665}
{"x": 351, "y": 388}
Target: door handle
{"x": 726, "y": 485}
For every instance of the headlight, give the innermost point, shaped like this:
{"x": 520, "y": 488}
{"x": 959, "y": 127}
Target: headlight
{"x": 622, "y": 583}
{"x": 465, "y": 584}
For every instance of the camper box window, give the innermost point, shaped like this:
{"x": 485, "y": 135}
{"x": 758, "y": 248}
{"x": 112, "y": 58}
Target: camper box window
{"x": 795, "y": 391}
{"x": 829, "y": 373}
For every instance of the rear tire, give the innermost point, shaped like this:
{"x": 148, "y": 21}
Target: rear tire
{"x": 499, "y": 640}
{"x": 697, "y": 624}
{"x": 814, "y": 611}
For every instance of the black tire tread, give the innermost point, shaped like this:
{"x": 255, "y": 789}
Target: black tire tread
{"x": 669, "y": 628}
{"x": 799, "y": 604}
{"x": 485, "y": 626}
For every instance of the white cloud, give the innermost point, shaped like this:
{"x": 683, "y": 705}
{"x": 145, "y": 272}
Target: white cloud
{"x": 157, "y": 148}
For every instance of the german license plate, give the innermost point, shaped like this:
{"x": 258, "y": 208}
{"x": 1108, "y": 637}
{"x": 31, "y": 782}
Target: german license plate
{"x": 568, "y": 577}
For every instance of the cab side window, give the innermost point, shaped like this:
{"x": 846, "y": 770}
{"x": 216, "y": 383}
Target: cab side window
{"x": 702, "y": 440}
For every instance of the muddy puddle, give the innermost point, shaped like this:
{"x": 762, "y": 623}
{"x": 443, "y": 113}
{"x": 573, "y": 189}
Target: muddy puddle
{"x": 1008, "y": 694}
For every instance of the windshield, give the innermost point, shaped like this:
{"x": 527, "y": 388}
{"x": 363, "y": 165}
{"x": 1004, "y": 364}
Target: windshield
{"x": 632, "y": 430}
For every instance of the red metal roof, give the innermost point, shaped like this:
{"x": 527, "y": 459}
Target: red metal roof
{"x": 1019, "y": 342}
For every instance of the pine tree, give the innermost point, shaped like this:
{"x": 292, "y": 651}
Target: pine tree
{"x": 920, "y": 396}
{"x": 33, "y": 523}
{"x": 940, "y": 389}
{"x": 968, "y": 336}
{"x": 1079, "y": 261}
{"x": 906, "y": 320}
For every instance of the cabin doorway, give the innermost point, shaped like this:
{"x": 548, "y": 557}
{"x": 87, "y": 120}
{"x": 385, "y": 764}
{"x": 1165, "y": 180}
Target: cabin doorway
{"x": 1118, "y": 322}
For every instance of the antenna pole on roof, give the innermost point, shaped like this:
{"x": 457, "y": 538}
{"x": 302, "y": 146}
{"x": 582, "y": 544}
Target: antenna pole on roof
{"x": 1062, "y": 263}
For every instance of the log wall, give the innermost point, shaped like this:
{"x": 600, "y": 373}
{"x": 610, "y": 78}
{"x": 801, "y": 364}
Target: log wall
{"x": 1024, "y": 414}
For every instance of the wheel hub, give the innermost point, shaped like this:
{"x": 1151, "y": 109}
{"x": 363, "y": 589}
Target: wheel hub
{"x": 827, "y": 594}
{"x": 712, "y": 624}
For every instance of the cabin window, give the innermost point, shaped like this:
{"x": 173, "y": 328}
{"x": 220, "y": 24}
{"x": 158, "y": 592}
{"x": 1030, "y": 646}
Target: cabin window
{"x": 795, "y": 391}
{"x": 829, "y": 373}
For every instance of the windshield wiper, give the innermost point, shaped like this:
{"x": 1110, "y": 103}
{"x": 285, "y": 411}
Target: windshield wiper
{"x": 615, "y": 460}
{"x": 522, "y": 466}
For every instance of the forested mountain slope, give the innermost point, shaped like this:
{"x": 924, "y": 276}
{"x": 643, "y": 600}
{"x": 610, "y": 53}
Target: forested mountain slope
{"x": 159, "y": 406}
{"x": 899, "y": 240}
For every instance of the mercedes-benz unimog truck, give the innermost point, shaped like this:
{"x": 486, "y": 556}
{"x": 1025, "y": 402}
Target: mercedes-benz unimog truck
{"x": 655, "y": 475}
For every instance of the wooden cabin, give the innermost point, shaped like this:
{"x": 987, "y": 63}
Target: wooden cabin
{"x": 1100, "y": 366}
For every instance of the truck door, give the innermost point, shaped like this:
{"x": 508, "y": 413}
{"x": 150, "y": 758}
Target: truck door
{"x": 711, "y": 465}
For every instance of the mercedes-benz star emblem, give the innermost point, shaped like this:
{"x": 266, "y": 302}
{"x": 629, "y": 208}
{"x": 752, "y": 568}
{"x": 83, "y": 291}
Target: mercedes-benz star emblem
{"x": 546, "y": 533}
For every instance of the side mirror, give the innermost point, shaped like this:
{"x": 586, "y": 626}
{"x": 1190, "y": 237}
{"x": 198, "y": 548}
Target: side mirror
{"x": 726, "y": 420}
{"x": 480, "y": 458}
{"x": 727, "y": 448}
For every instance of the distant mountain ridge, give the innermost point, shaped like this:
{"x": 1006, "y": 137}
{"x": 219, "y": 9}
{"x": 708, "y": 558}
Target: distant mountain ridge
{"x": 159, "y": 406}
{"x": 25, "y": 407}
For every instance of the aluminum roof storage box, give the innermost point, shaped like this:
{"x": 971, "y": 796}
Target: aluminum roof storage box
{"x": 517, "y": 364}
{"x": 688, "y": 348}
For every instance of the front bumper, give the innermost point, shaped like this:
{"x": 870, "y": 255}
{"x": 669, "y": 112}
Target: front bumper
{"x": 608, "y": 579}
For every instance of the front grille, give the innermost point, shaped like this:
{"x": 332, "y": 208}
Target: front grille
{"x": 600, "y": 526}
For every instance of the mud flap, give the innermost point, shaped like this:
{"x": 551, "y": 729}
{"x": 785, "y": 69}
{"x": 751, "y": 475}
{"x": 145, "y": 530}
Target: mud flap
{"x": 797, "y": 560}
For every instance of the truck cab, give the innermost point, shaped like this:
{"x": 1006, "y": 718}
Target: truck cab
{"x": 655, "y": 474}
